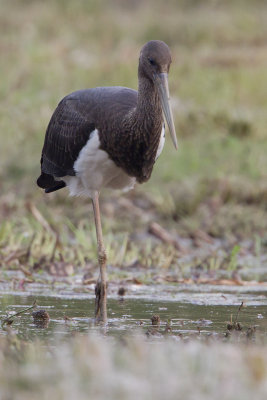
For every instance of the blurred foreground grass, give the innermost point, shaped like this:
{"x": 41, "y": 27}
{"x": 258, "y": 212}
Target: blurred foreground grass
{"x": 101, "y": 368}
{"x": 213, "y": 188}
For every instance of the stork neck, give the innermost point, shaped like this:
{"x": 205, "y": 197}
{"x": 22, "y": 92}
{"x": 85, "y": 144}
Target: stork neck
{"x": 149, "y": 110}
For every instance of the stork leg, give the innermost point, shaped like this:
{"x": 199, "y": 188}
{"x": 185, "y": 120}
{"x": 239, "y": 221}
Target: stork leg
{"x": 101, "y": 285}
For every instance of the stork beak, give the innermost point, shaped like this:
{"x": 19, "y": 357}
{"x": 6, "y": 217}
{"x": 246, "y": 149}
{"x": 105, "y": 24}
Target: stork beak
{"x": 161, "y": 80}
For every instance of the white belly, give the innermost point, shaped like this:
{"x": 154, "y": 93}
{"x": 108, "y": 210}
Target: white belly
{"x": 95, "y": 170}
{"x": 161, "y": 142}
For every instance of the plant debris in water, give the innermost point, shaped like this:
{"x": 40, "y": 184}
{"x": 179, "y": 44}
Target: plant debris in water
{"x": 9, "y": 320}
{"x": 41, "y": 318}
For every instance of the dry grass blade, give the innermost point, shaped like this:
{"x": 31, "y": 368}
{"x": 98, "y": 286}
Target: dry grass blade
{"x": 15, "y": 255}
{"x": 39, "y": 217}
{"x": 161, "y": 233}
{"x": 25, "y": 271}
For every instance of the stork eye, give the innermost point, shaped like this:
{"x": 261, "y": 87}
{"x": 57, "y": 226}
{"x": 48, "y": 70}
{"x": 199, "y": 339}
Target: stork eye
{"x": 151, "y": 61}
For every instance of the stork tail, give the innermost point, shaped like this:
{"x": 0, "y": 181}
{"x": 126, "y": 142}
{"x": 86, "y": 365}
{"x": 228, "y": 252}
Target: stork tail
{"x": 48, "y": 182}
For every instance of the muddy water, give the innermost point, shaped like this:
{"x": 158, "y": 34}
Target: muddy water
{"x": 190, "y": 310}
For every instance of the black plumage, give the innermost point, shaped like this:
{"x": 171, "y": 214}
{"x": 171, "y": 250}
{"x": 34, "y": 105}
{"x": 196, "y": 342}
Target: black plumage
{"x": 121, "y": 134}
{"x": 128, "y": 122}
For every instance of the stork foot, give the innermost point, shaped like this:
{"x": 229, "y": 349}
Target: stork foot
{"x": 101, "y": 302}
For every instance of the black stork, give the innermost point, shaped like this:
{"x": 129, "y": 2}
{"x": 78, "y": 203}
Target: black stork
{"x": 109, "y": 137}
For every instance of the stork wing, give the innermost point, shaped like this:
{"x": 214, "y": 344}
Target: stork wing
{"x": 67, "y": 133}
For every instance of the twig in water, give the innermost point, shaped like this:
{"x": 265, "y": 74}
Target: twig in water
{"x": 238, "y": 311}
{"x": 9, "y": 320}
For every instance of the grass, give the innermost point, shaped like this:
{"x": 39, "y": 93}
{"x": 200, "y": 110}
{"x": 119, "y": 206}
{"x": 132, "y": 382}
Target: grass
{"x": 98, "y": 367}
{"x": 215, "y": 184}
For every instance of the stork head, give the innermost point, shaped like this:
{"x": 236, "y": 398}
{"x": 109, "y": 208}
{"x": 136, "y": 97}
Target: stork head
{"x": 154, "y": 64}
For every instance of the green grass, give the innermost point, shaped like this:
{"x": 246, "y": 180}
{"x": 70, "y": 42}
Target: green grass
{"x": 216, "y": 182}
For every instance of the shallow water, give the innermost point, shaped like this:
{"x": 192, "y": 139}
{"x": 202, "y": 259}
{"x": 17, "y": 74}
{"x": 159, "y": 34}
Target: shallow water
{"x": 190, "y": 309}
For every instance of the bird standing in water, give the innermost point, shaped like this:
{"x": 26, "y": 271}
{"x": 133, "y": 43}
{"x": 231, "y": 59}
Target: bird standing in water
{"x": 109, "y": 137}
